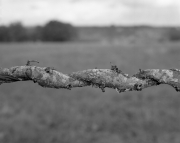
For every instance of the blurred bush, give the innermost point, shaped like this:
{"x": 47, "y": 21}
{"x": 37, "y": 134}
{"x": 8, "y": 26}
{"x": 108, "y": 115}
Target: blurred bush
{"x": 172, "y": 34}
{"x": 17, "y": 32}
{"x": 4, "y": 34}
{"x": 52, "y": 31}
{"x": 57, "y": 31}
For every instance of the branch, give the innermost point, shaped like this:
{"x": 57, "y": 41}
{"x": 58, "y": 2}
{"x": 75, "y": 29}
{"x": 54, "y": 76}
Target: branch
{"x": 101, "y": 78}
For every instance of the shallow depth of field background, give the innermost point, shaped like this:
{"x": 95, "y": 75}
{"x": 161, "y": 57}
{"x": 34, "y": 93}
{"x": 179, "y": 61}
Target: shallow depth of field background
{"x": 32, "y": 114}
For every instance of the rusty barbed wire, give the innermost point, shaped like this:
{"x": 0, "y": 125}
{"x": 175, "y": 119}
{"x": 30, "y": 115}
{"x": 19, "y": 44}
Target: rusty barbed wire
{"x": 100, "y": 78}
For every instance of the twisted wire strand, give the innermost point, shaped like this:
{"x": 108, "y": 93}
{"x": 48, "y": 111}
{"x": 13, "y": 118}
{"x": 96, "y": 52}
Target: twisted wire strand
{"x": 100, "y": 78}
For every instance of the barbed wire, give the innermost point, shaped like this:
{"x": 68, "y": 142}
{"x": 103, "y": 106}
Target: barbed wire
{"x": 99, "y": 78}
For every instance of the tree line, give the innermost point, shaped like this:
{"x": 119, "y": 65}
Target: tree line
{"x": 51, "y": 31}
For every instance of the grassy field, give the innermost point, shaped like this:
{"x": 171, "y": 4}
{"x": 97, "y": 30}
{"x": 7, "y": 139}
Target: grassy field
{"x": 32, "y": 114}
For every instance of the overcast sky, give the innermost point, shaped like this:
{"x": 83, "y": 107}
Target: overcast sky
{"x": 91, "y": 12}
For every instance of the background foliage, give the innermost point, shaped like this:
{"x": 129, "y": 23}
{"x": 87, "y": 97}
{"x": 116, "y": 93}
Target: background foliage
{"x": 57, "y": 31}
{"x": 52, "y": 31}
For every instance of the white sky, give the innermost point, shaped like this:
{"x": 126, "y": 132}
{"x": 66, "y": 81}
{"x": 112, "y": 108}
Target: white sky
{"x": 91, "y": 12}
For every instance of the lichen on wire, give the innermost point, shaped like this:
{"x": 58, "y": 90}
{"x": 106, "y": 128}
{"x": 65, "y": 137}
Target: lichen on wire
{"x": 101, "y": 78}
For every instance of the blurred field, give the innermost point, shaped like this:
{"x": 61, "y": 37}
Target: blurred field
{"x": 32, "y": 114}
